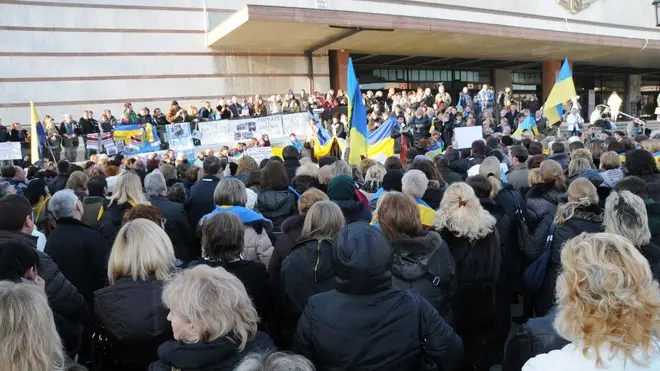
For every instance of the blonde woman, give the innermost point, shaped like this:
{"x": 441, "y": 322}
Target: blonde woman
{"x": 548, "y": 190}
{"x": 608, "y": 306}
{"x": 78, "y": 183}
{"x": 127, "y": 193}
{"x": 246, "y": 165}
{"x": 576, "y": 168}
{"x": 308, "y": 268}
{"x": 474, "y": 243}
{"x": 27, "y": 330}
{"x": 213, "y": 320}
{"x": 580, "y": 214}
{"x": 130, "y": 310}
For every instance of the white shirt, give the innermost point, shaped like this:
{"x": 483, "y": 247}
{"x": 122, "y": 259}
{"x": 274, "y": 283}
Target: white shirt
{"x": 574, "y": 121}
{"x": 569, "y": 358}
{"x": 41, "y": 241}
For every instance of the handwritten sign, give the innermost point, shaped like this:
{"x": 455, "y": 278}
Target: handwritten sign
{"x": 10, "y": 151}
{"x": 260, "y": 153}
{"x": 296, "y": 123}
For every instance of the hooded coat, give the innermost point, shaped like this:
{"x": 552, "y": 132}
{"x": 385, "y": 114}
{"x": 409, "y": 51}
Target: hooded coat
{"x": 341, "y": 191}
{"x": 365, "y": 323}
{"x": 276, "y": 206}
{"x": 418, "y": 261}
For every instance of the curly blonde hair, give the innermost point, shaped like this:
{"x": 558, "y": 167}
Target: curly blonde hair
{"x": 461, "y": 213}
{"x": 606, "y": 295}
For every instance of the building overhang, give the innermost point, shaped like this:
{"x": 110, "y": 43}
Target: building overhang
{"x": 285, "y": 29}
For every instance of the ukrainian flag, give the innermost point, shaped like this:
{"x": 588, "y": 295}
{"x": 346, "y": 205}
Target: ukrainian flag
{"x": 380, "y": 140}
{"x": 656, "y": 156}
{"x": 426, "y": 213}
{"x": 324, "y": 142}
{"x": 150, "y": 141}
{"x": 562, "y": 91}
{"x": 357, "y": 118}
{"x": 37, "y": 136}
{"x": 529, "y": 124}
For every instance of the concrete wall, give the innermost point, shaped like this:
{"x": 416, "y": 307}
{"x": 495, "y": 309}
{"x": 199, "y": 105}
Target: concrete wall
{"x": 70, "y": 55}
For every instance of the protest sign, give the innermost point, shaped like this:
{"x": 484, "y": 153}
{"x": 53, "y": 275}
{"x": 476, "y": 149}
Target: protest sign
{"x": 10, "y": 151}
{"x": 465, "y": 136}
{"x": 181, "y": 139}
{"x": 230, "y": 131}
{"x": 260, "y": 153}
{"x": 296, "y": 123}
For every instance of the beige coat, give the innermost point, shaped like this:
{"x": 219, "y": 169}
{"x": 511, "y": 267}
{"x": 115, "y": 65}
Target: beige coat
{"x": 257, "y": 247}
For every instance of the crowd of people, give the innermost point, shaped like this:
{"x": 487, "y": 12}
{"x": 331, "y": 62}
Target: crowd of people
{"x": 297, "y": 263}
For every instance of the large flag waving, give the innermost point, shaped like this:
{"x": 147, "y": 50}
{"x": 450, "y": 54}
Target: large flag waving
{"x": 37, "y": 136}
{"x": 357, "y": 117}
{"x": 529, "y": 124}
{"x": 562, "y": 92}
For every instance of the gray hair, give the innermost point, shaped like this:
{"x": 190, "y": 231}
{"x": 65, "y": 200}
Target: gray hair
{"x": 154, "y": 184}
{"x": 341, "y": 167}
{"x": 6, "y": 189}
{"x": 63, "y": 204}
{"x": 277, "y": 361}
{"x": 323, "y": 220}
{"x": 625, "y": 215}
{"x": 414, "y": 183}
{"x": 231, "y": 192}
{"x": 223, "y": 235}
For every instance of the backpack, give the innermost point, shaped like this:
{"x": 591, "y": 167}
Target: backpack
{"x": 534, "y": 274}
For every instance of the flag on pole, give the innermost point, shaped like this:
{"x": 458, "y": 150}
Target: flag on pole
{"x": 357, "y": 118}
{"x": 562, "y": 92}
{"x": 528, "y": 124}
{"x": 37, "y": 136}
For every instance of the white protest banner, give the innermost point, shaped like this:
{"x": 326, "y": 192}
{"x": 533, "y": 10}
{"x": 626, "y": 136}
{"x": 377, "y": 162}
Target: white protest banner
{"x": 216, "y": 132}
{"x": 268, "y": 125}
{"x": 10, "y": 151}
{"x": 260, "y": 153}
{"x": 465, "y": 136}
{"x": 296, "y": 123}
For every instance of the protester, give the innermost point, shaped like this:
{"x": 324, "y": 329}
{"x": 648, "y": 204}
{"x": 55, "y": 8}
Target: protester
{"x": 38, "y": 195}
{"x": 610, "y": 164}
{"x": 436, "y": 185}
{"x": 276, "y": 361}
{"x": 200, "y": 201}
{"x": 307, "y": 176}
{"x": 78, "y": 183}
{"x": 342, "y": 191}
{"x": 362, "y": 260}
{"x": 95, "y": 202}
{"x": 608, "y": 306}
{"x": 291, "y": 161}
{"x": 127, "y": 194}
{"x": 642, "y": 164}
{"x": 518, "y": 172}
{"x": 129, "y": 311}
{"x": 213, "y": 319}
{"x": 548, "y": 190}
{"x": 275, "y": 202}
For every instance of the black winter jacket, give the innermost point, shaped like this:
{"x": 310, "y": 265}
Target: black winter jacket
{"x": 449, "y": 175}
{"x": 81, "y": 254}
{"x": 418, "y": 263}
{"x": 365, "y": 323}
{"x": 134, "y": 319}
{"x": 420, "y": 128}
{"x": 354, "y": 211}
{"x": 200, "y": 200}
{"x": 180, "y": 232}
{"x": 535, "y": 337}
{"x": 276, "y": 206}
{"x": 111, "y": 221}
{"x": 291, "y": 165}
{"x": 651, "y": 252}
{"x": 586, "y": 219}
{"x": 291, "y": 229}
{"x": 433, "y": 194}
{"x": 218, "y": 355}
{"x": 463, "y": 165}
{"x": 542, "y": 200}
{"x": 653, "y": 182}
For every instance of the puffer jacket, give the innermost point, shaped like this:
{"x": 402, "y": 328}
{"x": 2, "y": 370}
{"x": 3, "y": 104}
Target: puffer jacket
{"x": 537, "y": 336}
{"x": 257, "y": 246}
{"x": 134, "y": 319}
{"x": 586, "y": 219}
{"x": 425, "y": 265}
{"x": 276, "y": 206}
{"x": 611, "y": 177}
{"x": 542, "y": 200}
{"x": 562, "y": 158}
{"x": 111, "y": 220}
{"x": 365, "y": 323}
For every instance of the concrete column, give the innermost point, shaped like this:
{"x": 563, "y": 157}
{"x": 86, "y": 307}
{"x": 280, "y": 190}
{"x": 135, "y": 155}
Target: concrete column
{"x": 549, "y": 71}
{"x": 502, "y": 79}
{"x": 633, "y": 90}
{"x": 338, "y": 66}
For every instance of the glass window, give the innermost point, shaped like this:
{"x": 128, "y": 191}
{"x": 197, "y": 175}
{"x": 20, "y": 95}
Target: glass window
{"x": 400, "y": 75}
{"x": 476, "y": 76}
{"x": 414, "y": 75}
{"x": 464, "y": 76}
{"x": 392, "y": 75}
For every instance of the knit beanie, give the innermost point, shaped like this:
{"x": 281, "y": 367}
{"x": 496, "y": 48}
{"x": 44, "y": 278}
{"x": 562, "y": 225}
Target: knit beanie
{"x": 392, "y": 180}
{"x": 342, "y": 188}
{"x": 414, "y": 183}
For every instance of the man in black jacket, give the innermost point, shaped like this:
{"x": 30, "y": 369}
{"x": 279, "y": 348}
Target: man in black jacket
{"x": 200, "y": 201}
{"x": 176, "y": 219}
{"x": 67, "y": 304}
{"x": 88, "y": 126}
{"x": 291, "y": 161}
{"x": 62, "y": 175}
{"x": 380, "y": 326}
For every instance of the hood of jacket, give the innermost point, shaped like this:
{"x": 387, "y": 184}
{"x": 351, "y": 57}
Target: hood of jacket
{"x": 611, "y": 177}
{"x": 271, "y": 201}
{"x": 547, "y": 192}
{"x": 362, "y": 260}
{"x": 342, "y": 188}
{"x": 352, "y": 210}
{"x": 412, "y": 255}
{"x": 292, "y": 226}
{"x": 592, "y": 213}
{"x": 220, "y": 354}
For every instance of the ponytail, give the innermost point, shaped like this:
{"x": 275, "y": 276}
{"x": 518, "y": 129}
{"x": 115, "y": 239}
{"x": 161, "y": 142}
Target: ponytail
{"x": 496, "y": 185}
{"x": 567, "y": 210}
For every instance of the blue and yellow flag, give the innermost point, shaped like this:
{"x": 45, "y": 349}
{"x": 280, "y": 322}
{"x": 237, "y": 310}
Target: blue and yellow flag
{"x": 380, "y": 141}
{"x": 37, "y": 136}
{"x": 357, "y": 118}
{"x": 562, "y": 92}
{"x": 528, "y": 124}
{"x": 656, "y": 156}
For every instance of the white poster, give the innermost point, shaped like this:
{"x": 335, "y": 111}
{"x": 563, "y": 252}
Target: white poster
{"x": 260, "y": 153}
{"x": 465, "y": 136}
{"x": 230, "y": 131}
{"x": 216, "y": 132}
{"x": 10, "y": 151}
{"x": 296, "y": 123}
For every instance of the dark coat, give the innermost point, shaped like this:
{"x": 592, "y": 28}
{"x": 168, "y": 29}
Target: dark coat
{"x": 562, "y": 158}
{"x": 134, "y": 319}
{"x": 291, "y": 229}
{"x": 218, "y": 355}
{"x": 651, "y": 252}
{"x": 58, "y": 183}
{"x": 177, "y": 228}
{"x": 276, "y": 206}
{"x": 111, "y": 221}
{"x": 291, "y": 165}
{"x": 449, "y": 175}
{"x": 420, "y": 128}
{"x": 586, "y": 219}
{"x": 463, "y": 165}
{"x": 433, "y": 195}
{"x": 542, "y": 200}
{"x": 81, "y": 253}
{"x": 354, "y": 211}
{"x": 301, "y": 183}
{"x": 398, "y": 134}
{"x": 513, "y": 258}
{"x": 67, "y": 304}
{"x": 478, "y": 266}
{"x": 537, "y": 336}
{"x": 653, "y": 182}
{"x": 653, "y": 212}
{"x": 420, "y": 260}
{"x": 365, "y": 323}
{"x": 200, "y": 200}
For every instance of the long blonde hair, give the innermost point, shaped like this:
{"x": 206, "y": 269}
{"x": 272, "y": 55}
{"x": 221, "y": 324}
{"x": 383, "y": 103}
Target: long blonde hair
{"x": 141, "y": 249}
{"x": 607, "y": 296}
{"x": 461, "y": 213}
{"x": 323, "y": 220}
{"x": 128, "y": 188}
{"x": 490, "y": 168}
{"x": 581, "y": 192}
{"x": 28, "y": 337}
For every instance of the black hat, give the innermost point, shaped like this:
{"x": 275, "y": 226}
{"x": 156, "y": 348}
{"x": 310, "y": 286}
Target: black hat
{"x": 392, "y": 180}
{"x": 15, "y": 258}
